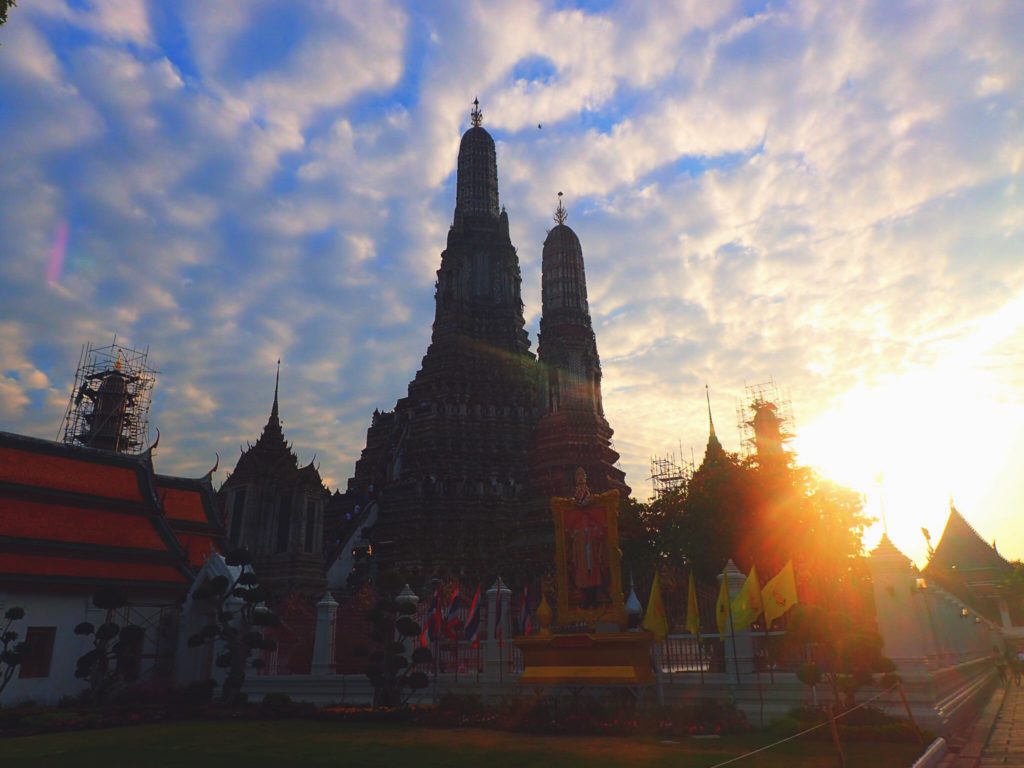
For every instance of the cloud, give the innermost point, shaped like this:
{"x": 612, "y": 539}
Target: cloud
{"x": 824, "y": 193}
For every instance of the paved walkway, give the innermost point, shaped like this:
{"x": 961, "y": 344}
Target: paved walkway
{"x": 1006, "y": 743}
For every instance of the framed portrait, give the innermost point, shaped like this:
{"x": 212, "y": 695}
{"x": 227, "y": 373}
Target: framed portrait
{"x": 588, "y": 559}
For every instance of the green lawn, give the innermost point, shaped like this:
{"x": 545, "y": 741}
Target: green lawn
{"x": 309, "y": 743}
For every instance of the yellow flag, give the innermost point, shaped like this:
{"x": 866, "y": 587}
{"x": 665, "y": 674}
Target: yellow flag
{"x": 656, "y": 620}
{"x": 779, "y": 594}
{"x": 746, "y": 607}
{"x": 722, "y": 607}
{"x": 692, "y": 611}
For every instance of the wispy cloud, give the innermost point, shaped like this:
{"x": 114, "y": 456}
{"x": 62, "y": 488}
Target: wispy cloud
{"x": 824, "y": 193}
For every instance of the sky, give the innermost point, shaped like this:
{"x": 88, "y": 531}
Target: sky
{"x": 825, "y": 195}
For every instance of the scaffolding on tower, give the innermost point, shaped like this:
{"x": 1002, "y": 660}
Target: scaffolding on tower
{"x": 765, "y": 421}
{"x": 109, "y": 404}
{"x": 669, "y": 475}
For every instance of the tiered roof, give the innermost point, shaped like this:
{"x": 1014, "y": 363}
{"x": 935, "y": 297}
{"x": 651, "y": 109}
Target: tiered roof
{"x": 963, "y": 552}
{"x": 84, "y": 517}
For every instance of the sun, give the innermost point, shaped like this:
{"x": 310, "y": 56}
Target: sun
{"x": 913, "y": 441}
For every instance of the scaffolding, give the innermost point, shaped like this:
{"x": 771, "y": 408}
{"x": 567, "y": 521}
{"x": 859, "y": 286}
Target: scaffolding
{"x": 765, "y": 421}
{"x": 110, "y": 399}
{"x": 668, "y": 474}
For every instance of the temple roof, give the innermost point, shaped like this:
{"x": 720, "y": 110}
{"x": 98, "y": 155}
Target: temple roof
{"x": 191, "y": 510}
{"x": 83, "y": 517}
{"x": 961, "y": 549}
{"x": 272, "y": 457}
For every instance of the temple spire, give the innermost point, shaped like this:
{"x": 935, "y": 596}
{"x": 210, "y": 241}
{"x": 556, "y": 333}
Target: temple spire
{"x": 714, "y": 451}
{"x": 277, "y": 381}
{"x": 560, "y": 213}
{"x": 711, "y": 421}
{"x": 476, "y": 187}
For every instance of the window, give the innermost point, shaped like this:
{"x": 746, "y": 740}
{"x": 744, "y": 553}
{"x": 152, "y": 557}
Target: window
{"x": 38, "y": 652}
{"x": 284, "y": 523}
{"x": 310, "y": 520}
{"x": 236, "y": 515}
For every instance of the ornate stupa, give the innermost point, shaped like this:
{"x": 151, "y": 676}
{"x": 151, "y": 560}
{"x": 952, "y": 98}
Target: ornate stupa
{"x": 448, "y": 467}
{"x": 573, "y": 431}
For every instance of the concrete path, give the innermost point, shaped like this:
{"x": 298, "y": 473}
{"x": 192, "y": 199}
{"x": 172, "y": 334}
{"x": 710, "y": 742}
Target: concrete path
{"x": 1006, "y": 743}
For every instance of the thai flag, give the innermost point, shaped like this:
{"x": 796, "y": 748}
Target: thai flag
{"x": 432, "y": 625}
{"x": 451, "y": 617}
{"x": 473, "y": 620}
{"x": 525, "y": 622}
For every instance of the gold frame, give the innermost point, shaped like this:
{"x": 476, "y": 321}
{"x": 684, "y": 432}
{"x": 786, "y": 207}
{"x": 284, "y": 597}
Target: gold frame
{"x": 616, "y": 611}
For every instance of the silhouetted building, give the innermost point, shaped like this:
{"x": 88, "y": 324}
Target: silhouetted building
{"x": 275, "y": 509}
{"x": 460, "y": 461}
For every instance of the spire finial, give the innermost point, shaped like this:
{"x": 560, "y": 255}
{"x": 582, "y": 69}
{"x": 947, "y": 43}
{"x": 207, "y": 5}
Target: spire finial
{"x": 476, "y": 115}
{"x": 560, "y": 213}
{"x": 277, "y": 381}
{"x": 711, "y": 421}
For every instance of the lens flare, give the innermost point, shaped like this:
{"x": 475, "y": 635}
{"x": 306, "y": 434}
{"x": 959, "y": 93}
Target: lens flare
{"x": 55, "y": 264}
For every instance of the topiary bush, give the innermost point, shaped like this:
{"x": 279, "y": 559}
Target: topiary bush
{"x": 114, "y": 657}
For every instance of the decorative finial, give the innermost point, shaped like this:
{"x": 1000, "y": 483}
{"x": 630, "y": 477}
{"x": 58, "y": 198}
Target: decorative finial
{"x": 560, "y": 213}
{"x": 711, "y": 421}
{"x": 476, "y": 115}
{"x": 277, "y": 381}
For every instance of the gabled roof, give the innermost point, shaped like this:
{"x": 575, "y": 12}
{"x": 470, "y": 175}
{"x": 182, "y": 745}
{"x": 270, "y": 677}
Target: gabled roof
{"x": 272, "y": 457}
{"x": 961, "y": 549}
{"x": 82, "y": 517}
{"x": 191, "y": 510}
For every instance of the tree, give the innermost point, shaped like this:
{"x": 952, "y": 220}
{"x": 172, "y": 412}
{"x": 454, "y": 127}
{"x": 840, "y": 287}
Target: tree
{"x": 718, "y": 513}
{"x": 239, "y": 618}
{"x": 115, "y": 649}
{"x": 11, "y": 651}
{"x": 394, "y": 676}
{"x": 844, "y": 655}
{"x": 5, "y": 5}
{"x": 637, "y": 537}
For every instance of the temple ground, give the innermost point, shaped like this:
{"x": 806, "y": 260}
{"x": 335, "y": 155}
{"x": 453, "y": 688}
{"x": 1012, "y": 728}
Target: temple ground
{"x": 306, "y": 743}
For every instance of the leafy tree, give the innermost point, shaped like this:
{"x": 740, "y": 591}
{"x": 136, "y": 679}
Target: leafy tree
{"x": 1014, "y": 581}
{"x": 717, "y": 515}
{"x": 11, "y": 651}
{"x": 395, "y": 677}
{"x": 239, "y": 618}
{"x": 638, "y": 538}
{"x": 844, "y": 655}
{"x": 115, "y": 649}
{"x": 5, "y": 5}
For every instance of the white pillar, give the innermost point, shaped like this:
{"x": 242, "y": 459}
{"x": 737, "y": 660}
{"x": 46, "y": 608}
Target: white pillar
{"x": 739, "y": 650}
{"x": 324, "y": 639}
{"x": 495, "y": 656}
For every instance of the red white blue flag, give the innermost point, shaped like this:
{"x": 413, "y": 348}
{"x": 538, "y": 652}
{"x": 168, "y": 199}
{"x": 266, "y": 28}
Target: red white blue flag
{"x": 473, "y": 620}
{"x": 432, "y": 625}
{"x": 525, "y": 621}
{"x": 451, "y": 616}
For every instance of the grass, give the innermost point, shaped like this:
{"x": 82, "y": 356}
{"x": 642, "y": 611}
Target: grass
{"x": 310, "y": 743}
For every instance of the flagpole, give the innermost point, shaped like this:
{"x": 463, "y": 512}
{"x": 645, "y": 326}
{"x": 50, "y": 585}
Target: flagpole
{"x": 732, "y": 629}
{"x": 700, "y": 658}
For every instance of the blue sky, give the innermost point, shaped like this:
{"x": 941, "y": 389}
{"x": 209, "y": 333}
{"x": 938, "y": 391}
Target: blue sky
{"x": 829, "y": 194}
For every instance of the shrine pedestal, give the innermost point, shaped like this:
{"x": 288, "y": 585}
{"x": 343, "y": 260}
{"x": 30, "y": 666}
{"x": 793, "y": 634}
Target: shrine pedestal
{"x": 612, "y": 658}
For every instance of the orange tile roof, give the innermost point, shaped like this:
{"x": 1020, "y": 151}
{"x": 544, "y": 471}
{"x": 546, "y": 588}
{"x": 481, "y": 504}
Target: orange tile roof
{"x": 46, "y": 521}
{"x": 180, "y": 504}
{"x": 69, "y": 473}
{"x": 13, "y": 565}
